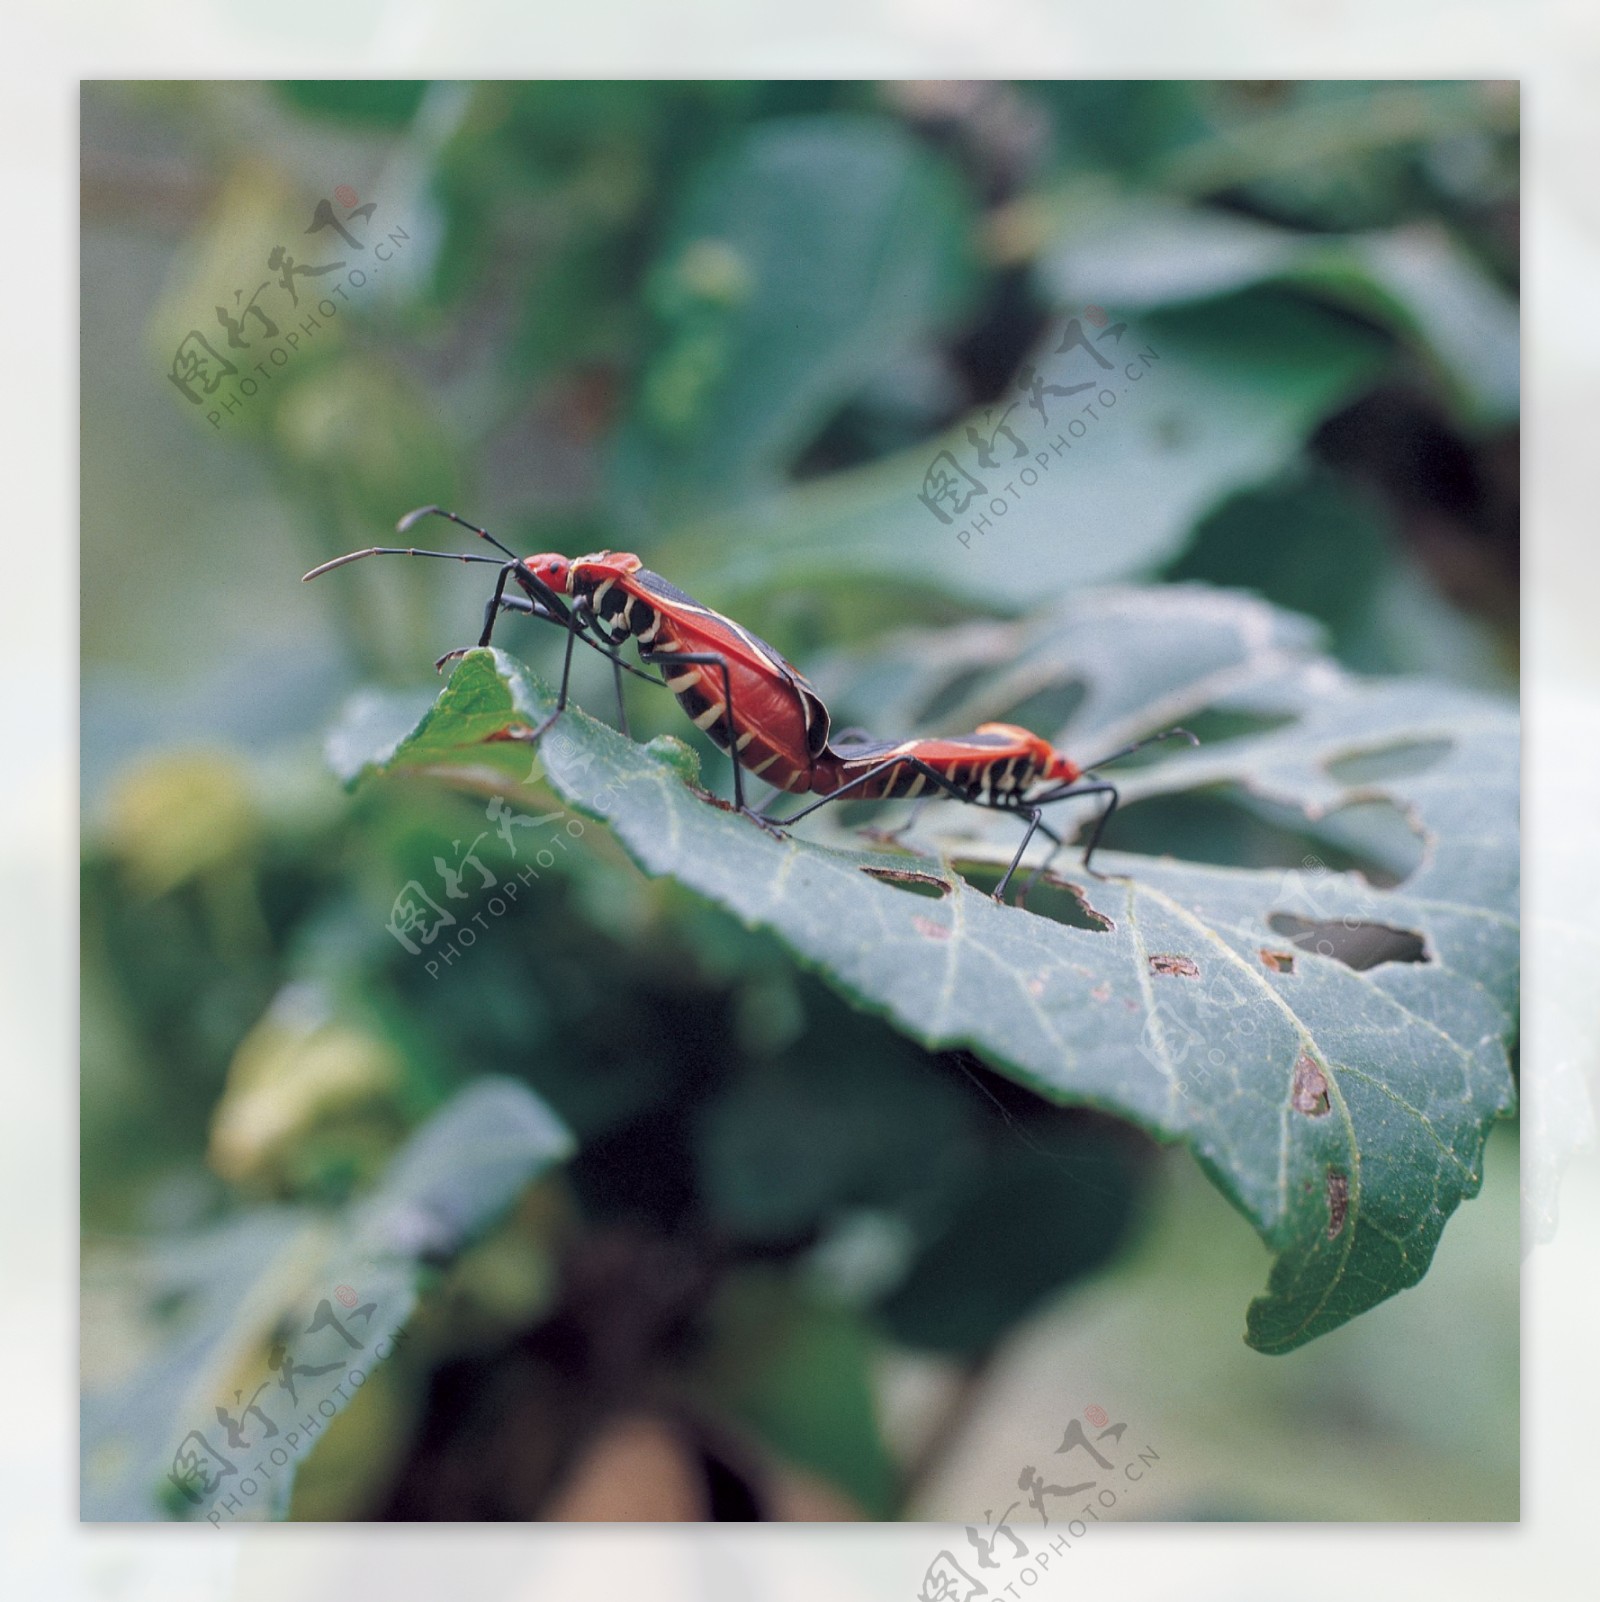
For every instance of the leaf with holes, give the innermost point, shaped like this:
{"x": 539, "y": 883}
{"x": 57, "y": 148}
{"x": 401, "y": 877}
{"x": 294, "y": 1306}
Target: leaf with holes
{"x": 1331, "y": 1044}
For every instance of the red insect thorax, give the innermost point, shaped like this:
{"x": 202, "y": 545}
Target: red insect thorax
{"x": 1053, "y": 766}
{"x": 561, "y": 572}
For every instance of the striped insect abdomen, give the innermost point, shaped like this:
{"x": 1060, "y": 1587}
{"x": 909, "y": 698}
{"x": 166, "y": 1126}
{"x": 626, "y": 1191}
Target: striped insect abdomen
{"x": 979, "y": 766}
{"x": 777, "y": 726}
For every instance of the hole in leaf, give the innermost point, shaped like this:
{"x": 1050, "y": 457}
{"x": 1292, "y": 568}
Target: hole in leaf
{"x": 1310, "y": 1092}
{"x": 1053, "y": 707}
{"x": 912, "y": 882}
{"x": 1352, "y": 941}
{"x": 1214, "y": 725}
{"x": 1218, "y": 825}
{"x": 952, "y": 693}
{"x": 1338, "y": 1189}
{"x": 1175, "y": 966}
{"x": 1385, "y": 844}
{"x": 1278, "y": 961}
{"x": 1067, "y": 903}
{"x": 1402, "y": 761}
{"x": 1050, "y": 898}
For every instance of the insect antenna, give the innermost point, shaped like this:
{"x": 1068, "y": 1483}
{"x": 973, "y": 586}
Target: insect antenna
{"x": 411, "y": 519}
{"x": 1139, "y": 745}
{"x": 397, "y": 550}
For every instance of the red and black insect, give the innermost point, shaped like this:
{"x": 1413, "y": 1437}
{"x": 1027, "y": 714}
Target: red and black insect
{"x": 733, "y": 685}
{"x": 999, "y": 765}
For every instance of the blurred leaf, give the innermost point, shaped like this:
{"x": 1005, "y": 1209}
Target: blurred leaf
{"x": 1341, "y": 1085}
{"x": 1309, "y": 541}
{"x": 179, "y": 815}
{"x": 386, "y": 102}
{"x": 268, "y": 1277}
{"x": 362, "y": 431}
{"x": 1416, "y": 281}
{"x": 1202, "y": 402}
{"x": 218, "y": 270}
{"x": 1334, "y": 152}
{"x": 299, "y": 1064}
{"x": 799, "y": 1372}
{"x": 826, "y": 1128}
{"x": 1041, "y": 1217}
{"x": 804, "y": 259}
{"x": 1124, "y": 124}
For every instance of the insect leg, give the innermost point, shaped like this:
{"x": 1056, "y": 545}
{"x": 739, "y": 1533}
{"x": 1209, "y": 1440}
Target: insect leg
{"x": 622, "y": 706}
{"x": 1035, "y": 821}
{"x": 727, "y": 719}
{"x": 1069, "y": 791}
{"x": 917, "y": 808}
{"x": 561, "y": 694}
{"x": 1038, "y": 873}
{"x": 490, "y": 613}
{"x": 1110, "y": 791}
{"x": 916, "y": 764}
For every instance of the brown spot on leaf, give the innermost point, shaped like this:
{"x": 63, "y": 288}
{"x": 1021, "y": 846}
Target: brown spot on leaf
{"x": 1338, "y": 1200}
{"x": 1278, "y": 961}
{"x": 928, "y": 929}
{"x": 1177, "y": 967}
{"x": 513, "y": 731}
{"x": 1310, "y": 1093}
{"x": 710, "y": 799}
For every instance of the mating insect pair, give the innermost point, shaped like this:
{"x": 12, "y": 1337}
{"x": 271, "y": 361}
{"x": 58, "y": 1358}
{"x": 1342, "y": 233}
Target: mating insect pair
{"x": 756, "y": 705}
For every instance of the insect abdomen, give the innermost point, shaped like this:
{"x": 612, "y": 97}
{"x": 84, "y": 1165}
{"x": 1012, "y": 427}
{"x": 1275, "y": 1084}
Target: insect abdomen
{"x": 624, "y": 613}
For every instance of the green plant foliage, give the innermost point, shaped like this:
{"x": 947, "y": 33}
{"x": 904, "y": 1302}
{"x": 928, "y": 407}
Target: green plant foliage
{"x": 1417, "y": 281}
{"x": 214, "y": 1307}
{"x": 1201, "y": 402}
{"x": 829, "y": 1106}
{"x": 804, "y": 260}
{"x": 1333, "y": 1053}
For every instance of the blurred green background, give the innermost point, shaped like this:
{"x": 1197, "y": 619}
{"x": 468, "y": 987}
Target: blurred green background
{"x": 798, "y": 1266}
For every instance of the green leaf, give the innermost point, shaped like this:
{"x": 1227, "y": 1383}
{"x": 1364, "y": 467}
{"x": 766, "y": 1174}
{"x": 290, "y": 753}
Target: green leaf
{"x": 1202, "y": 401}
{"x": 217, "y": 1303}
{"x": 798, "y": 1371}
{"x": 833, "y": 1126}
{"x": 1416, "y": 281}
{"x": 385, "y": 102}
{"x": 1335, "y": 1087}
{"x": 1002, "y": 1257}
{"x": 804, "y": 259}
